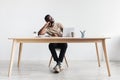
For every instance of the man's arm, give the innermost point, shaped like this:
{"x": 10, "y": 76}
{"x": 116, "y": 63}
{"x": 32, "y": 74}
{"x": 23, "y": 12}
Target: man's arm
{"x": 43, "y": 30}
{"x": 61, "y": 26}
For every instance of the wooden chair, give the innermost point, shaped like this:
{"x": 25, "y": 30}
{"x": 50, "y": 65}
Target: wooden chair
{"x": 52, "y": 58}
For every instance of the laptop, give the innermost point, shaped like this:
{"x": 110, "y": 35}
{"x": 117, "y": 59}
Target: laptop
{"x": 68, "y": 32}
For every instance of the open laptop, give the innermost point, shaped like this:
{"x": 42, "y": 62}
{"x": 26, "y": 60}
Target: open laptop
{"x": 67, "y": 31}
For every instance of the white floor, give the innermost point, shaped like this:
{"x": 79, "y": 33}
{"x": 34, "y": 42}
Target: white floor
{"x": 77, "y": 70}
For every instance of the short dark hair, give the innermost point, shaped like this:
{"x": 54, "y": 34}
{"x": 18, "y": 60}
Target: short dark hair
{"x": 47, "y": 17}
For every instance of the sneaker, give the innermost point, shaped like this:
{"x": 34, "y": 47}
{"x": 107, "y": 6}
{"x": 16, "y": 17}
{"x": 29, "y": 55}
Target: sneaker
{"x": 60, "y": 67}
{"x": 56, "y": 69}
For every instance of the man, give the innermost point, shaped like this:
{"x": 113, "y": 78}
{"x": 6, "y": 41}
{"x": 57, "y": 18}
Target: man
{"x": 54, "y": 30}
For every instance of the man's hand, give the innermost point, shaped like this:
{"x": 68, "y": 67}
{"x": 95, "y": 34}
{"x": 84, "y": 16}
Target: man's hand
{"x": 47, "y": 24}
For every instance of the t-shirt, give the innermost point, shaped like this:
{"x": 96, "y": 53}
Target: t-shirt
{"x": 56, "y": 29}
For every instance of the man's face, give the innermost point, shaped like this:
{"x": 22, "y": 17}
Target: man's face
{"x": 51, "y": 20}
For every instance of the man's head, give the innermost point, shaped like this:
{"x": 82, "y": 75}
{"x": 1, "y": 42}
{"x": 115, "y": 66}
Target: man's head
{"x": 48, "y": 18}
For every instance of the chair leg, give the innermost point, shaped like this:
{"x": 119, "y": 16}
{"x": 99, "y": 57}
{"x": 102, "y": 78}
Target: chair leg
{"x": 50, "y": 61}
{"x": 66, "y": 62}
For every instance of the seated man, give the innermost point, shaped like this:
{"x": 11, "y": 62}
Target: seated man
{"x": 54, "y": 30}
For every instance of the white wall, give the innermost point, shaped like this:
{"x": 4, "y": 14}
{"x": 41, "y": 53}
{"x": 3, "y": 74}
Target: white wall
{"x": 97, "y": 17}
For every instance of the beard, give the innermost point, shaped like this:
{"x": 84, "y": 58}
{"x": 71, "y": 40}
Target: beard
{"x": 51, "y": 22}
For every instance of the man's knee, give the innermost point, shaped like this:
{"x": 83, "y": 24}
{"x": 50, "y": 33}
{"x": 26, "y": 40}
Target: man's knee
{"x": 65, "y": 45}
{"x": 51, "y": 45}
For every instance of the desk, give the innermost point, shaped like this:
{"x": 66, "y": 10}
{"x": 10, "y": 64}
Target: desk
{"x": 57, "y": 40}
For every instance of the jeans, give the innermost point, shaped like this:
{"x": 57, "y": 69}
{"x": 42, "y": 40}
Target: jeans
{"x": 62, "y": 47}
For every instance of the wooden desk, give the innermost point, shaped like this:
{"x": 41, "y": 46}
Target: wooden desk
{"x": 57, "y": 40}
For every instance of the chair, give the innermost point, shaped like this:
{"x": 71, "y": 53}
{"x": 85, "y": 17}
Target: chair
{"x": 52, "y": 58}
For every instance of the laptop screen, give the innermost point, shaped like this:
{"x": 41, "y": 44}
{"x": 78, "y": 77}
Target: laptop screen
{"x": 67, "y": 31}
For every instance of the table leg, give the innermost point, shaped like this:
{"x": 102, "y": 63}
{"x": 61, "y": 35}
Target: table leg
{"x": 19, "y": 55}
{"x": 106, "y": 57}
{"x": 12, "y": 58}
{"x": 98, "y": 58}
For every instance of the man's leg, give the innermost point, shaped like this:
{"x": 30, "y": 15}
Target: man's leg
{"x": 52, "y": 47}
{"x": 63, "y": 47}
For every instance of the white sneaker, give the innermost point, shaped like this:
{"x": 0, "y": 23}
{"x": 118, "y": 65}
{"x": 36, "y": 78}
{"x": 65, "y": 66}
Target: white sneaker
{"x": 56, "y": 69}
{"x": 60, "y": 67}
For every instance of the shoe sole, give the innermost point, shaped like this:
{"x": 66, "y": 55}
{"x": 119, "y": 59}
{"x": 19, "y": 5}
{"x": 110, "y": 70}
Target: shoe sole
{"x": 56, "y": 72}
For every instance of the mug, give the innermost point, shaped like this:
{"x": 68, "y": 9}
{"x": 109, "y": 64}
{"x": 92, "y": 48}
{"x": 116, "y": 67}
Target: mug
{"x": 72, "y": 34}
